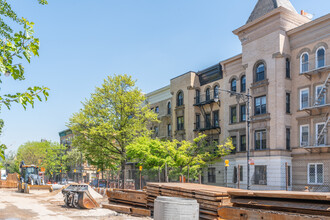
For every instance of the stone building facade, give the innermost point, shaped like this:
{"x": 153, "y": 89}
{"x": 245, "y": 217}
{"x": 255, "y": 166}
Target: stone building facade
{"x": 284, "y": 67}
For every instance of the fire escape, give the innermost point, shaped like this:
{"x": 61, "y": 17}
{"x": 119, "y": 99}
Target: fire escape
{"x": 321, "y": 107}
{"x": 210, "y": 125}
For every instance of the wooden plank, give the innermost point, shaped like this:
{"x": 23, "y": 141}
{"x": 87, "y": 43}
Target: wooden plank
{"x": 282, "y": 194}
{"x": 118, "y": 208}
{"x": 208, "y": 217}
{"x": 140, "y": 212}
{"x": 128, "y": 196}
{"x": 210, "y": 198}
{"x": 284, "y": 205}
{"x": 235, "y": 213}
{"x": 127, "y": 202}
{"x": 208, "y": 212}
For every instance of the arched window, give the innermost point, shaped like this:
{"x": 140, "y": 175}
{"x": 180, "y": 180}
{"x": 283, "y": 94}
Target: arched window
{"x": 233, "y": 85}
{"x": 320, "y": 61}
{"x": 243, "y": 83}
{"x": 169, "y": 108}
{"x": 304, "y": 62}
{"x": 180, "y": 98}
{"x": 198, "y": 97}
{"x": 260, "y": 72}
{"x": 207, "y": 92}
{"x": 216, "y": 92}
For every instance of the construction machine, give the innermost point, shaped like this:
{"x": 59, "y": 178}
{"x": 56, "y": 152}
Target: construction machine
{"x": 29, "y": 179}
{"x": 78, "y": 196}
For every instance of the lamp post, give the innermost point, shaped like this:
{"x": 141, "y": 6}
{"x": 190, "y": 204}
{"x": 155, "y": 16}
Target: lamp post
{"x": 246, "y": 98}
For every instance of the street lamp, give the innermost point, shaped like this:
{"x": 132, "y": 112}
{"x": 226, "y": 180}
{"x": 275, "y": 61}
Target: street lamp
{"x": 246, "y": 98}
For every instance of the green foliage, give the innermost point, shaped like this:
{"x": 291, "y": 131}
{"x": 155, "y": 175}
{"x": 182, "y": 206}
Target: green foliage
{"x": 44, "y": 154}
{"x": 111, "y": 120}
{"x": 16, "y": 47}
{"x": 10, "y": 163}
{"x": 148, "y": 152}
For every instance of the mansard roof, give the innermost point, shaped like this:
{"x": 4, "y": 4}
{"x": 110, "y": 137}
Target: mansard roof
{"x": 265, "y": 6}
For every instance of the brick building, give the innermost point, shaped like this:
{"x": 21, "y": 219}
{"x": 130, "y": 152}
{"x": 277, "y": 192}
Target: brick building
{"x": 284, "y": 66}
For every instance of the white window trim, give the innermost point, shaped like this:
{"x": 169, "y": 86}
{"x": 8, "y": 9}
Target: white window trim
{"x": 316, "y": 134}
{"x": 316, "y": 94}
{"x": 308, "y": 180}
{"x": 316, "y": 58}
{"x": 300, "y": 100}
{"x": 301, "y": 62}
{"x": 300, "y": 139}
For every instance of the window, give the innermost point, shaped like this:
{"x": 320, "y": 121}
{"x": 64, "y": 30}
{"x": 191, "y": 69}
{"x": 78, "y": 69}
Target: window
{"x": 260, "y": 175}
{"x": 304, "y": 62}
{"x": 320, "y": 138}
{"x": 320, "y": 55}
{"x": 208, "y": 120}
{"x": 287, "y": 103}
{"x": 260, "y": 105}
{"x": 216, "y": 119}
{"x": 315, "y": 173}
{"x": 233, "y": 117}
{"x": 304, "y": 135}
{"x": 234, "y": 140}
{"x": 319, "y": 96}
{"x": 180, "y": 99}
{"x": 287, "y": 135}
{"x": 289, "y": 175}
{"x": 211, "y": 175}
{"x": 304, "y": 98}
{"x": 243, "y": 143}
{"x": 216, "y": 92}
{"x": 156, "y": 131}
{"x": 198, "y": 97}
{"x": 207, "y": 92}
{"x": 180, "y": 123}
{"x": 260, "y": 72}
{"x": 169, "y": 108}
{"x": 235, "y": 175}
{"x": 260, "y": 140}
{"x": 198, "y": 122}
{"x": 157, "y": 109}
{"x": 169, "y": 130}
{"x": 233, "y": 85}
{"x": 243, "y": 113}
{"x": 241, "y": 173}
{"x": 287, "y": 68}
{"x": 243, "y": 83}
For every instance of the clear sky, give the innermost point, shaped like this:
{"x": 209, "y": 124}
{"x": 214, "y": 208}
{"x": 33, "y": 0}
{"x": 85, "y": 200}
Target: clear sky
{"x": 84, "y": 41}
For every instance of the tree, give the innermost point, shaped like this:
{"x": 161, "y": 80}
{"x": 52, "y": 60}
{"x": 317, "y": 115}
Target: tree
{"x": 110, "y": 120}
{"x": 148, "y": 153}
{"x": 17, "y": 47}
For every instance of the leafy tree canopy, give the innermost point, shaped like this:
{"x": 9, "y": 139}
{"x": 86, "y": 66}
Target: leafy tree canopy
{"x": 110, "y": 120}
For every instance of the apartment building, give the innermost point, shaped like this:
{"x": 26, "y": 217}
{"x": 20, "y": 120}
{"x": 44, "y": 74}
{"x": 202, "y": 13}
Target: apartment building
{"x": 284, "y": 68}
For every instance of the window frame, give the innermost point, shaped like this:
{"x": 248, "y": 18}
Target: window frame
{"x": 240, "y": 143}
{"x": 211, "y": 176}
{"x": 243, "y": 83}
{"x": 316, "y": 179}
{"x": 208, "y": 94}
{"x": 300, "y": 98}
{"x": 288, "y": 139}
{"x": 169, "y": 108}
{"x": 287, "y": 68}
{"x": 265, "y": 175}
{"x": 197, "y": 96}
{"x": 317, "y": 58}
{"x": 169, "y": 130}
{"x": 317, "y": 134}
{"x": 305, "y": 63}
{"x": 180, "y": 98}
{"x": 198, "y": 122}
{"x": 288, "y": 103}
{"x": 316, "y": 94}
{"x": 240, "y": 113}
{"x": 234, "y": 141}
{"x": 216, "y": 122}
{"x": 208, "y": 122}
{"x": 300, "y": 135}
{"x": 232, "y": 116}
{"x": 256, "y": 73}
{"x": 255, "y": 105}
{"x": 232, "y": 86}
{"x": 261, "y": 140}
{"x": 157, "y": 109}
{"x": 178, "y": 127}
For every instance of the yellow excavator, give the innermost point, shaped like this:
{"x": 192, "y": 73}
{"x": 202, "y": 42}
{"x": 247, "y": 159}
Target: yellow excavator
{"x": 29, "y": 179}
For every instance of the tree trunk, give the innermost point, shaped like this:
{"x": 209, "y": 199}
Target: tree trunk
{"x": 159, "y": 174}
{"x": 188, "y": 174}
{"x": 123, "y": 163}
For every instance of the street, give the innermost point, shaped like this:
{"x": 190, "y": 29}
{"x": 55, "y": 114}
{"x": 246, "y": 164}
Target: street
{"x": 44, "y": 205}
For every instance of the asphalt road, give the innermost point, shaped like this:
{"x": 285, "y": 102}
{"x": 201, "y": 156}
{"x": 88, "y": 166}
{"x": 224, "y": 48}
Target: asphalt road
{"x": 40, "y": 204}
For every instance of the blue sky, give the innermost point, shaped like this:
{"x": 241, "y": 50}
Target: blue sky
{"x": 84, "y": 41}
